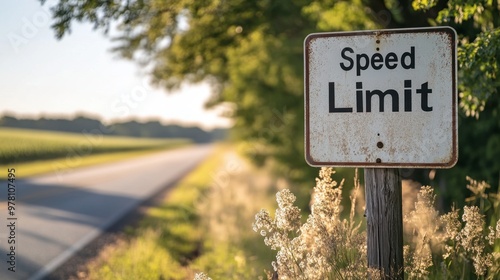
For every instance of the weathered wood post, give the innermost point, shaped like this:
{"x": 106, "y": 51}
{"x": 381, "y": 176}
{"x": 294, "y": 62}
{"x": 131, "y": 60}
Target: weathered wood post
{"x": 384, "y": 218}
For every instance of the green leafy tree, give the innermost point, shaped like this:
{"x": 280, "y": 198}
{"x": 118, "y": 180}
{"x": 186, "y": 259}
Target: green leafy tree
{"x": 251, "y": 54}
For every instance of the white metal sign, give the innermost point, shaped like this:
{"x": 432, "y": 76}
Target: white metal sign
{"x": 385, "y": 98}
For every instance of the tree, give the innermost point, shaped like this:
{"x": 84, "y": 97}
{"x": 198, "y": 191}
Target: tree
{"x": 251, "y": 54}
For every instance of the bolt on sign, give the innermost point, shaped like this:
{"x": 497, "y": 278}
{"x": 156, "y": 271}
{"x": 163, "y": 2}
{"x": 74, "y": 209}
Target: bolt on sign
{"x": 385, "y": 98}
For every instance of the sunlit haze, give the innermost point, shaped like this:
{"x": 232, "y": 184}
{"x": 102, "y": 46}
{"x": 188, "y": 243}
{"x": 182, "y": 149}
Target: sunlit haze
{"x": 43, "y": 76}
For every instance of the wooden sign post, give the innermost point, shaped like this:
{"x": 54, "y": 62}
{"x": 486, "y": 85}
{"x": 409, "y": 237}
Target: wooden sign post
{"x": 384, "y": 220}
{"x": 382, "y": 100}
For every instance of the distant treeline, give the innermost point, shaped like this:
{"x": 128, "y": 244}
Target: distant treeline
{"x": 150, "y": 129}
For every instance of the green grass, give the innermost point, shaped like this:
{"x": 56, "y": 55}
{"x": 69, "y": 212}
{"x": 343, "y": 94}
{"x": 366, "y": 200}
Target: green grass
{"x": 34, "y": 152}
{"x": 22, "y": 145}
{"x": 167, "y": 239}
{"x": 205, "y": 224}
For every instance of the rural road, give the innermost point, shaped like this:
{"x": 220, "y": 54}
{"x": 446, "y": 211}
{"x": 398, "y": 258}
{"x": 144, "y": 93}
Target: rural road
{"x": 58, "y": 214}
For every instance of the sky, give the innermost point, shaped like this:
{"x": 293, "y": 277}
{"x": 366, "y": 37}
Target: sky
{"x": 43, "y": 76}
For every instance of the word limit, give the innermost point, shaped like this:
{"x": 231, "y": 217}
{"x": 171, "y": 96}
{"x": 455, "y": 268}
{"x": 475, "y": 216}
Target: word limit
{"x": 364, "y": 98}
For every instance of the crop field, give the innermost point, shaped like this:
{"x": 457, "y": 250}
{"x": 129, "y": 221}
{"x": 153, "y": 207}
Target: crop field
{"x": 22, "y": 145}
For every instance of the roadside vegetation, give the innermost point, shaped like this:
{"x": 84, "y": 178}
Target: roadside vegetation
{"x": 203, "y": 225}
{"x": 331, "y": 243}
{"x": 36, "y": 152}
{"x": 213, "y": 226}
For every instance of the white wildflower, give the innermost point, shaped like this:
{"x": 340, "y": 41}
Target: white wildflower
{"x": 325, "y": 246}
{"x": 477, "y": 188}
{"x": 201, "y": 276}
{"x": 491, "y": 236}
{"x": 471, "y": 239}
{"x": 287, "y": 215}
{"x": 451, "y": 224}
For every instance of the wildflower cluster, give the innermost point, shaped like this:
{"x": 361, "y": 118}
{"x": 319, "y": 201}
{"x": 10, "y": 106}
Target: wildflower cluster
{"x": 453, "y": 242}
{"x": 325, "y": 246}
{"x": 447, "y": 246}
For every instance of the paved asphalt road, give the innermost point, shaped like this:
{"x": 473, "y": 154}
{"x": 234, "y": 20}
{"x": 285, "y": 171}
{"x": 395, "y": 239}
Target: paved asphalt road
{"x": 59, "y": 214}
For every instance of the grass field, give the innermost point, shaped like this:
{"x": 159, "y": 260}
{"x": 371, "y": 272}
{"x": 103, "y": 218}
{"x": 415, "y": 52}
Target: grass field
{"x": 34, "y": 152}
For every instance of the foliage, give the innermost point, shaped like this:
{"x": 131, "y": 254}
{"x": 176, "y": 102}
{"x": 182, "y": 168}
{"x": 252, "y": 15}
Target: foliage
{"x": 479, "y": 65}
{"x": 21, "y": 145}
{"x": 329, "y": 247}
{"x": 251, "y": 53}
{"x": 144, "y": 259}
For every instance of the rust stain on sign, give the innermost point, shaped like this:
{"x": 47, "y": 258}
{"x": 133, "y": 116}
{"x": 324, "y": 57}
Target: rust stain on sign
{"x": 385, "y": 98}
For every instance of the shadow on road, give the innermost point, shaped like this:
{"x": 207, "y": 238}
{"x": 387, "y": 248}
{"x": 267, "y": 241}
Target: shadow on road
{"x": 51, "y": 219}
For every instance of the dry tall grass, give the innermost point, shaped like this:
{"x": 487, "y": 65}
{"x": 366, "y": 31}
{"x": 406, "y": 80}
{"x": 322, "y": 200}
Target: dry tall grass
{"x": 231, "y": 250}
{"x": 327, "y": 246}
